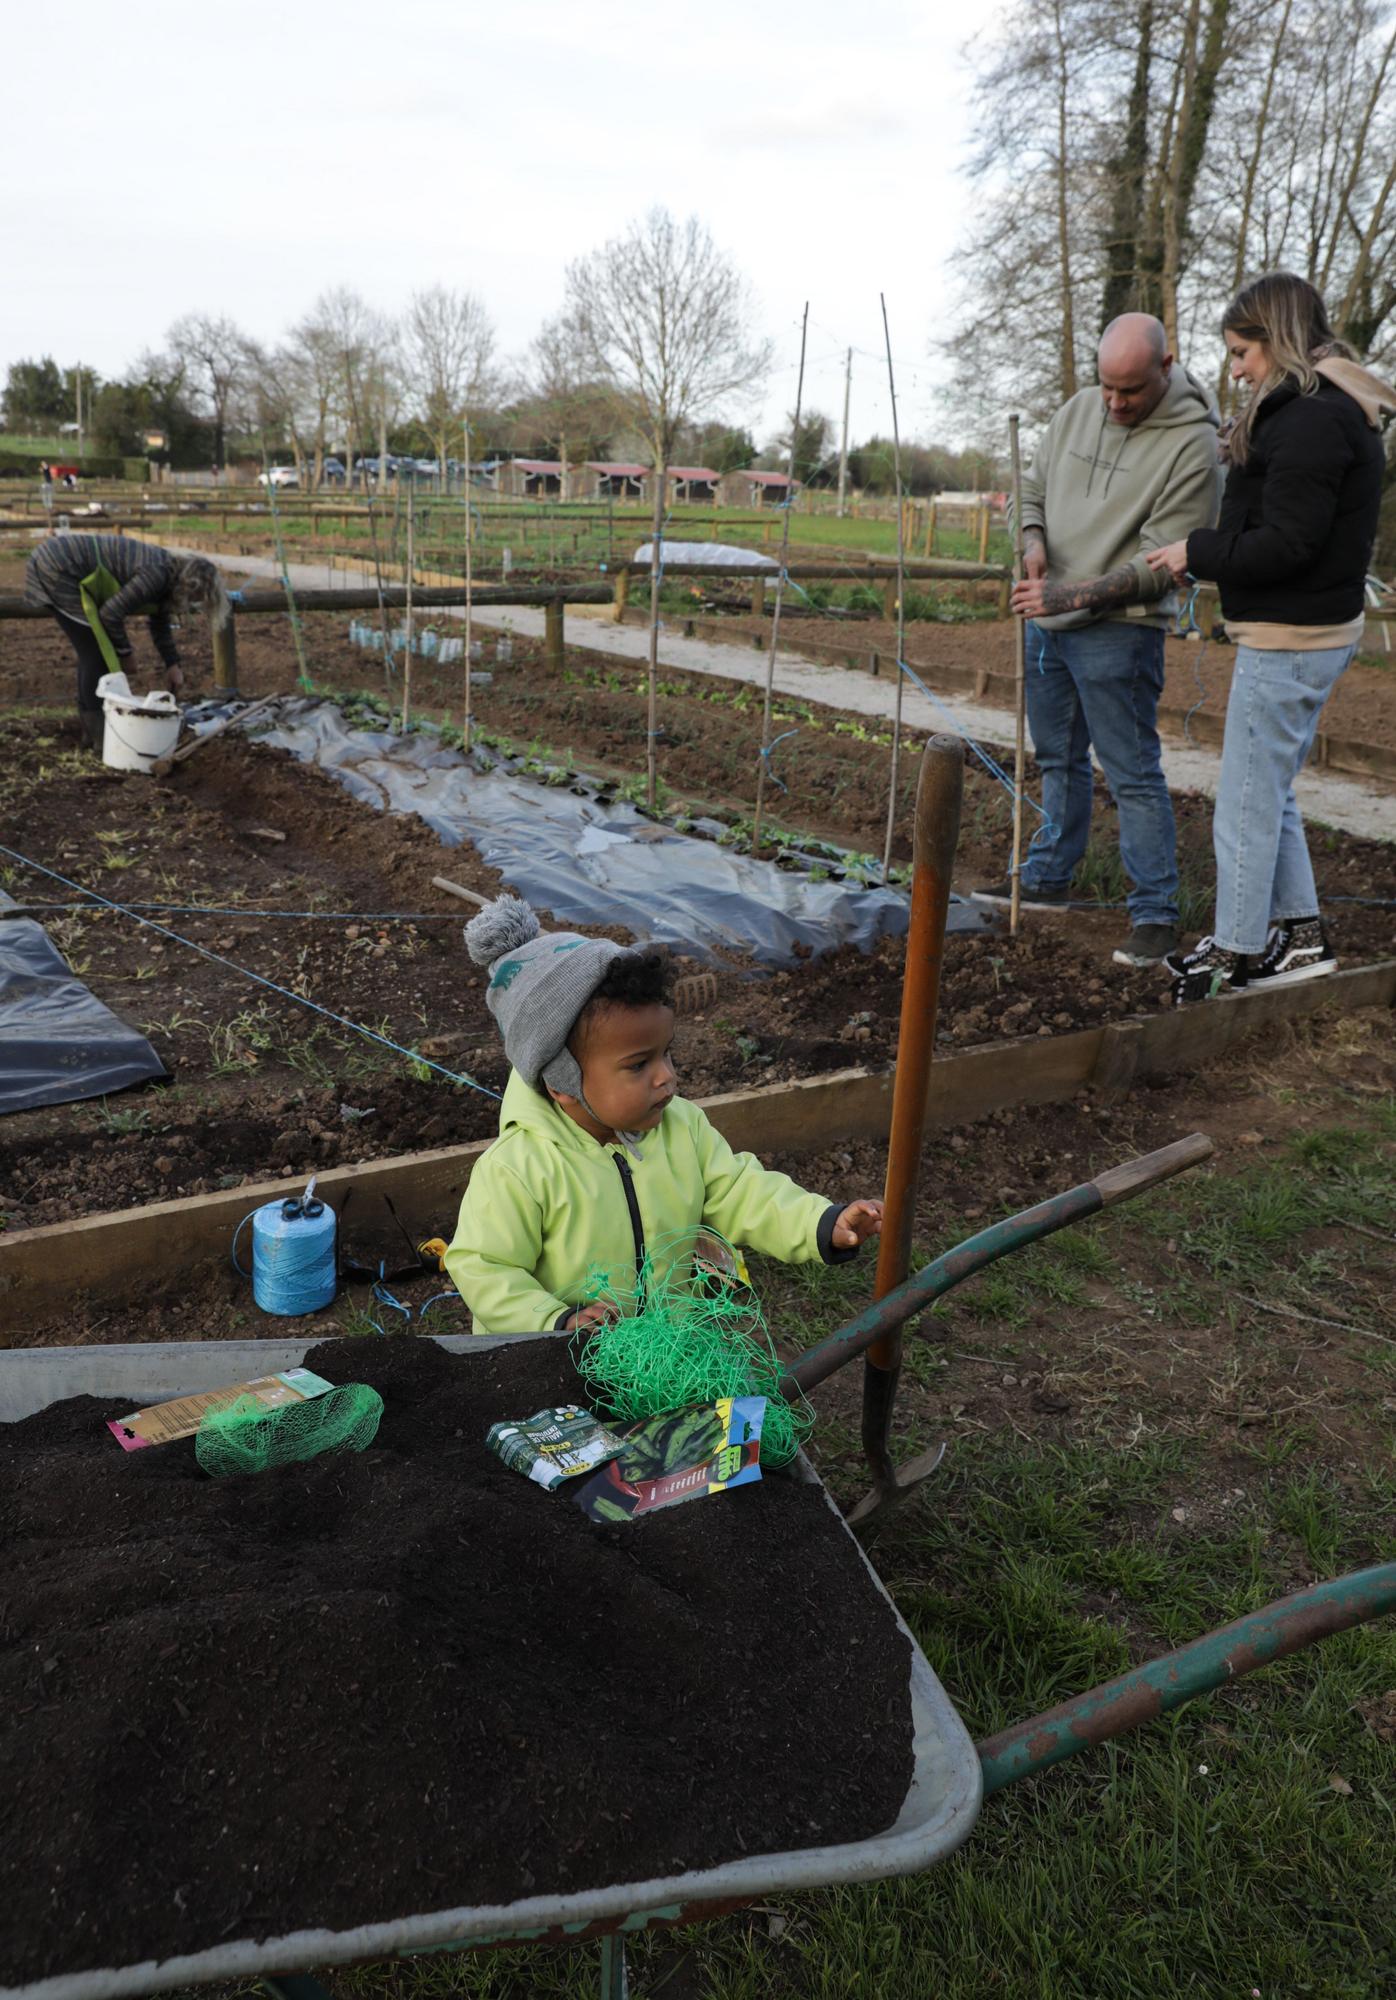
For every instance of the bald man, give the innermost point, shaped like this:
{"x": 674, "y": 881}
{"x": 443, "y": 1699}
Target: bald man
{"x": 1124, "y": 468}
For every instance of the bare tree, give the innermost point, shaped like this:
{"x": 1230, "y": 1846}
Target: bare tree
{"x": 214, "y": 353}
{"x": 448, "y": 342}
{"x": 1149, "y": 159}
{"x": 566, "y": 409}
{"x": 662, "y": 319}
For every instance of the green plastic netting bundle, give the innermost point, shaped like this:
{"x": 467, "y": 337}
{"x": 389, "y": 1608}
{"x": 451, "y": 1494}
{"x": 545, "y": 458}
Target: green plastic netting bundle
{"x": 249, "y": 1435}
{"x": 685, "y": 1336}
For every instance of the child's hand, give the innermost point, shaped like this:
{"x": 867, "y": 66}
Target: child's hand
{"x": 584, "y": 1318}
{"x": 856, "y": 1223}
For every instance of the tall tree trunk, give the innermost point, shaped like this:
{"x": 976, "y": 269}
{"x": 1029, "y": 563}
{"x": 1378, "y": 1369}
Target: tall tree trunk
{"x": 1243, "y": 227}
{"x": 1359, "y": 148}
{"x": 1068, "y": 305}
{"x": 1122, "y": 247}
{"x": 1201, "y": 67}
{"x": 1359, "y": 328}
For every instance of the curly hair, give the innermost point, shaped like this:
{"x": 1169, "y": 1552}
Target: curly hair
{"x": 635, "y": 979}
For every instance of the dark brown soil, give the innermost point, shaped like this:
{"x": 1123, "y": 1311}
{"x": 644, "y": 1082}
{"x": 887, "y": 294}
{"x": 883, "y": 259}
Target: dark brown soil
{"x": 264, "y": 1084}
{"x": 374, "y": 1686}
{"x": 1362, "y": 706}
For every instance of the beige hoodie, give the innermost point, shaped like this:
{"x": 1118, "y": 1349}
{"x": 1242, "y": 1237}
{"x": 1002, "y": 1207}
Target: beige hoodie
{"x": 1104, "y": 494}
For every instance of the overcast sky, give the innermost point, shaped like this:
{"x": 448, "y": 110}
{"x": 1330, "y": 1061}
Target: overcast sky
{"x": 238, "y": 156}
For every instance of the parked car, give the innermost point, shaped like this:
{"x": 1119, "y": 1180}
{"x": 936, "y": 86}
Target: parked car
{"x": 279, "y": 475}
{"x": 332, "y": 470}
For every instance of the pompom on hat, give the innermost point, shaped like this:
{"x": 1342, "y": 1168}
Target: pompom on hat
{"x": 539, "y": 983}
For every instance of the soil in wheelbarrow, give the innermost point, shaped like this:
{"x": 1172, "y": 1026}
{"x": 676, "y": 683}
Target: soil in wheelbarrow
{"x": 366, "y": 1687}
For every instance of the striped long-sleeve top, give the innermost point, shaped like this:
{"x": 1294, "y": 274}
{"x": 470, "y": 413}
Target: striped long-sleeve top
{"x": 146, "y": 576}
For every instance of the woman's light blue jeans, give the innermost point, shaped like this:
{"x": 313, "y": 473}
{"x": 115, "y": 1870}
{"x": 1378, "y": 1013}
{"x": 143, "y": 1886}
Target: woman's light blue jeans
{"x": 1099, "y": 685}
{"x": 1264, "y": 875}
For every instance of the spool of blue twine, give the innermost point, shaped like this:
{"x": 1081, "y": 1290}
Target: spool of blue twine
{"x": 293, "y": 1255}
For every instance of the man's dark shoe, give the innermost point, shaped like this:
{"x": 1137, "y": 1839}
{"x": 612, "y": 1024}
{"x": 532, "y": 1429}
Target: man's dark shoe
{"x": 1146, "y": 945}
{"x": 1296, "y": 950}
{"x": 1206, "y": 973}
{"x": 1028, "y": 899}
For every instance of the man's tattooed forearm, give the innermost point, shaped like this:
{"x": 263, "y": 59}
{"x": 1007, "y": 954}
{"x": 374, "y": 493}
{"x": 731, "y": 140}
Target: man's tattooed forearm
{"x": 1097, "y": 593}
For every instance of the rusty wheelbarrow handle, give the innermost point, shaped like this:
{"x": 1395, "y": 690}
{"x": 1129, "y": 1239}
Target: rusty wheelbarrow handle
{"x": 924, "y": 1287}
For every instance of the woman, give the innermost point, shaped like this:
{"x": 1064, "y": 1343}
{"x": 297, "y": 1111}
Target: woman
{"x": 94, "y": 583}
{"x": 1290, "y": 554}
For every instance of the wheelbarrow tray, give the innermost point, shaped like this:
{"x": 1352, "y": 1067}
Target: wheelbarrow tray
{"x": 941, "y": 1804}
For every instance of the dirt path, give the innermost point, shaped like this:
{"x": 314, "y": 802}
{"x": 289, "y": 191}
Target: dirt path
{"x": 1345, "y": 803}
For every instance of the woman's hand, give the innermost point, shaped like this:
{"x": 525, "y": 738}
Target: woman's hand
{"x": 856, "y": 1223}
{"x": 1174, "y": 559}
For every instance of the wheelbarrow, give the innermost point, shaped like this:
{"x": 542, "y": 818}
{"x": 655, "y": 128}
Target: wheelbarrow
{"x": 950, "y": 1776}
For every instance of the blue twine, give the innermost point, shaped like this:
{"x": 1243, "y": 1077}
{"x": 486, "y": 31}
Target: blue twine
{"x": 765, "y": 753}
{"x": 245, "y": 972}
{"x": 384, "y": 1297}
{"x": 293, "y": 1259}
{"x": 990, "y": 763}
{"x": 243, "y": 910}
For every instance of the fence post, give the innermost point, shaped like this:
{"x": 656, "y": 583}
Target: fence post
{"x": 552, "y": 622}
{"x": 984, "y": 532}
{"x": 622, "y": 596}
{"x": 225, "y": 658}
{"x": 758, "y": 598}
{"x": 889, "y": 598}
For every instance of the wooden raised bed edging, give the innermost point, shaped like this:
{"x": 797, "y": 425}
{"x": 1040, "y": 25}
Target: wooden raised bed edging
{"x": 104, "y": 1254}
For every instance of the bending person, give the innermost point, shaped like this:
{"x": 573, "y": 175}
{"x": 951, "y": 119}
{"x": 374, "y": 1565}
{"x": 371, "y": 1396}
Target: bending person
{"x": 1122, "y": 469}
{"x": 1290, "y": 553}
{"x": 93, "y": 583}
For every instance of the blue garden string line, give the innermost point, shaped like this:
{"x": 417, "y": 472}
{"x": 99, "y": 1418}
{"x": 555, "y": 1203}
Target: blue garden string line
{"x": 765, "y": 755}
{"x": 234, "y": 910}
{"x": 383, "y": 1297}
{"x": 991, "y": 765}
{"x": 245, "y": 972}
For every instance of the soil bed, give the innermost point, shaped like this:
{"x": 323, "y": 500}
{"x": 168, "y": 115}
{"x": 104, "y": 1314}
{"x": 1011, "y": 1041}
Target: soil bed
{"x": 262, "y": 1084}
{"x": 373, "y": 1686}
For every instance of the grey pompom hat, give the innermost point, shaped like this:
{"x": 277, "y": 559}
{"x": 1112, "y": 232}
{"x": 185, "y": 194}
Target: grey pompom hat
{"x": 539, "y": 983}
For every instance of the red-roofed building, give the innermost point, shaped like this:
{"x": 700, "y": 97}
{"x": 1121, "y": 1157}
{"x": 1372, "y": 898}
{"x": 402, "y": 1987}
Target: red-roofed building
{"x": 610, "y": 480}
{"x": 694, "y": 482}
{"x": 749, "y": 488}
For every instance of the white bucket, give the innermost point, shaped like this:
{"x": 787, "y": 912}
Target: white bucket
{"x": 139, "y": 727}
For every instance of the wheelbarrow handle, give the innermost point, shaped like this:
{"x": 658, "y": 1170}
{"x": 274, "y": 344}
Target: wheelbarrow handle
{"x": 1015, "y": 1232}
{"x": 1131, "y": 1177}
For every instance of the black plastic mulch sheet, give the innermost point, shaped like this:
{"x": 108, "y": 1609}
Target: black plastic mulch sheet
{"x": 58, "y": 1042}
{"x": 591, "y": 861}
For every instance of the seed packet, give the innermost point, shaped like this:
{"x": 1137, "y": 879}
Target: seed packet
{"x": 683, "y": 1455}
{"x": 553, "y": 1445}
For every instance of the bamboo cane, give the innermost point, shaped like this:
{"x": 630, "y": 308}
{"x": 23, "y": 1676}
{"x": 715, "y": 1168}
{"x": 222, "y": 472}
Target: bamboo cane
{"x": 1020, "y": 682}
{"x": 895, "y": 766}
{"x": 469, "y": 605}
{"x": 764, "y": 762}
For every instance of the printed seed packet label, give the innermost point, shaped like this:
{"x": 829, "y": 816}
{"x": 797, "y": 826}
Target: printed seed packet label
{"x": 554, "y": 1444}
{"x": 162, "y": 1423}
{"x": 684, "y": 1455}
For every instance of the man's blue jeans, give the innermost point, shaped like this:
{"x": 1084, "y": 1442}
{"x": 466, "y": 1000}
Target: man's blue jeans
{"x": 1263, "y": 871}
{"x": 1100, "y": 685}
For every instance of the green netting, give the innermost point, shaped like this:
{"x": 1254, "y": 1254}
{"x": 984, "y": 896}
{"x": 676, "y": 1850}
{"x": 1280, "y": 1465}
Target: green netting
{"x": 684, "y": 1338}
{"x": 249, "y": 1436}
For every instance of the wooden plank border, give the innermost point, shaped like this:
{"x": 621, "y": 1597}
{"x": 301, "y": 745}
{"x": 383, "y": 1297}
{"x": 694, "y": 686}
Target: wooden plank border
{"x": 105, "y": 1255}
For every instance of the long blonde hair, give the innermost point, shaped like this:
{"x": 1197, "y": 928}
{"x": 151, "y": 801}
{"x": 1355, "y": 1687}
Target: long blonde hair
{"x": 1288, "y": 314}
